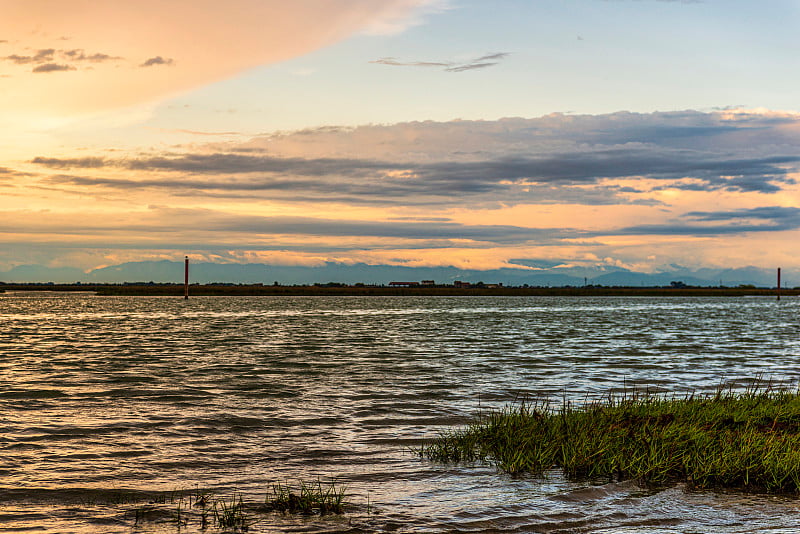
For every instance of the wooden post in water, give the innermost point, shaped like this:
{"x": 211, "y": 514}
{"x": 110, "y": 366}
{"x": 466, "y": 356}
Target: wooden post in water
{"x": 186, "y": 279}
{"x": 779, "y": 283}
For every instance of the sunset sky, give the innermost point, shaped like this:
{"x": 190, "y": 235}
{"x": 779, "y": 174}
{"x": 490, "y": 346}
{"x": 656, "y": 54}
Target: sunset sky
{"x": 466, "y": 133}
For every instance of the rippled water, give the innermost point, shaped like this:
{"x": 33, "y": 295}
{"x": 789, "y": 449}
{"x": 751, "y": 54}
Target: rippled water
{"x": 102, "y": 397}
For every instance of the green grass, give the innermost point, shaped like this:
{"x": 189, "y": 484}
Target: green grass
{"x": 747, "y": 441}
{"x": 308, "y": 499}
{"x": 230, "y": 515}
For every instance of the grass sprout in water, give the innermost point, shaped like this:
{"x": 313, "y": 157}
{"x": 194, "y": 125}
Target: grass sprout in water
{"x": 308, "y": 499}
{"x": 234, "y": 514}
{"x": 230, "y": 515}
{"x": 745, "y": 441}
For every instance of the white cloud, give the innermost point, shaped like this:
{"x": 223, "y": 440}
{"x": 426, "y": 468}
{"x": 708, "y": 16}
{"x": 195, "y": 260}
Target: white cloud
{"x": 405, "y": 14}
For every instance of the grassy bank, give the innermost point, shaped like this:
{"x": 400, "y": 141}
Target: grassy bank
{"x": 748, "y": 441}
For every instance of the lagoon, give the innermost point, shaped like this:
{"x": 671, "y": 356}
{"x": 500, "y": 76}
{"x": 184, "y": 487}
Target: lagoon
{"x": 104, "y": 397}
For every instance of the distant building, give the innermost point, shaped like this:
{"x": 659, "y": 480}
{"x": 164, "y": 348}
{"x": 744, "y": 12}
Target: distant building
{"x": 459, "y": 283}
{"x": 403, "y": 284}
{"x": 428, "y": 283}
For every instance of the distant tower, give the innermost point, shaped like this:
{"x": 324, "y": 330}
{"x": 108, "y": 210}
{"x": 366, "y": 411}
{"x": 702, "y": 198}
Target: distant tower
{"x": 186, "y": 279}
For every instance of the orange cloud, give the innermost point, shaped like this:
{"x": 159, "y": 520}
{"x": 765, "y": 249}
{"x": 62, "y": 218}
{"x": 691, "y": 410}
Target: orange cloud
{"x": 68, "y": 57}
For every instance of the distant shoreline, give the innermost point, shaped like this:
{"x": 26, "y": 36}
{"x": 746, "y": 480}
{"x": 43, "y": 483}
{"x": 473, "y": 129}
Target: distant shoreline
{"x": 199, "y": 290}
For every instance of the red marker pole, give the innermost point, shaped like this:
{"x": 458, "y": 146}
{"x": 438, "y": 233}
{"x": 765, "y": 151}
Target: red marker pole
{"x": 779, "y": 283}
{"x": 186, "y": 279}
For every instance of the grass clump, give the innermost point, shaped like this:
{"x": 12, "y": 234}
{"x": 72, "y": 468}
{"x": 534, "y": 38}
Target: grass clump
{"x": 308, "y": 499}
{"x": 230, "y": 515}
{"x": 748, "y": 441}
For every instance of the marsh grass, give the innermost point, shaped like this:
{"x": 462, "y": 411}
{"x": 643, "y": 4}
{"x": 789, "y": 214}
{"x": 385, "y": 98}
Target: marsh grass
{"x": 746, "y": 441}
{"x": 230, "y": 514}
{"x": 233, "y": 514}
{"x": 308, "y": 498}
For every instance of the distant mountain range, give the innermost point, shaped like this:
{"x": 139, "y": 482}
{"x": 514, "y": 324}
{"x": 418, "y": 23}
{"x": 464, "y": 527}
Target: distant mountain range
{"x": 543, "y": 274}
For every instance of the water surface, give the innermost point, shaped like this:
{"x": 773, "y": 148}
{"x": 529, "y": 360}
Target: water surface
{"x": 101, "y": 397}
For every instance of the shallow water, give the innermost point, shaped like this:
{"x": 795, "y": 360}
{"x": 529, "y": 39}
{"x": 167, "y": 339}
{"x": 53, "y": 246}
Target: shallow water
{"x": 104, "y": 397}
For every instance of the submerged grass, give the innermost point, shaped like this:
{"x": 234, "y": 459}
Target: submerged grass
{"x": 308, "y": 499}
{"x": 748, "y": 441}
{"x": 230, "y": 514}
{"x": 234, "y": 514}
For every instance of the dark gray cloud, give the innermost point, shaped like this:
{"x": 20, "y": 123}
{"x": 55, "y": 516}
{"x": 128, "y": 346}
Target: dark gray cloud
{"x": 7, "y": 173}
{"x": 78, "y": 54}
{"x": 557, "y": 158}
{"x": 589, "y": 167}
{"x": 52, "y": 67}
{"x": 421, "y": 219}
{"x": 722, "y": 133}
{"x": 45, "y": 60}
{"x": 471, "y": 66}
{"x": 487, "y": 60}
{"x": 444, "y": 178}
{"x": 81, "y": 163}
{"x": 497, "y": 56}
{"x": 501, "y": 234}
{"x": 774, "y": 214}
{"x": 231, "y": 164}
{"x": 482, "y": 62}
{"x": 394, "y": 62}
{"x": 367, "y": 192}
{"x": 157, "y": 60}
{"x": 719, "y": 132}
{"x": 698, "y": 230}
{"x": 740, "y": 221}
{"x": 163, "y": 220}
{"x": 41, "y": 56}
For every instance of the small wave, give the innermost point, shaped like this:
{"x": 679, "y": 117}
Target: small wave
{"x": 33, "y": 394}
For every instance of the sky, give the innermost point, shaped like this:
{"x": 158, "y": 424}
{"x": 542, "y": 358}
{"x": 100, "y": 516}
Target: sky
{"x": 639, "y": 134}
